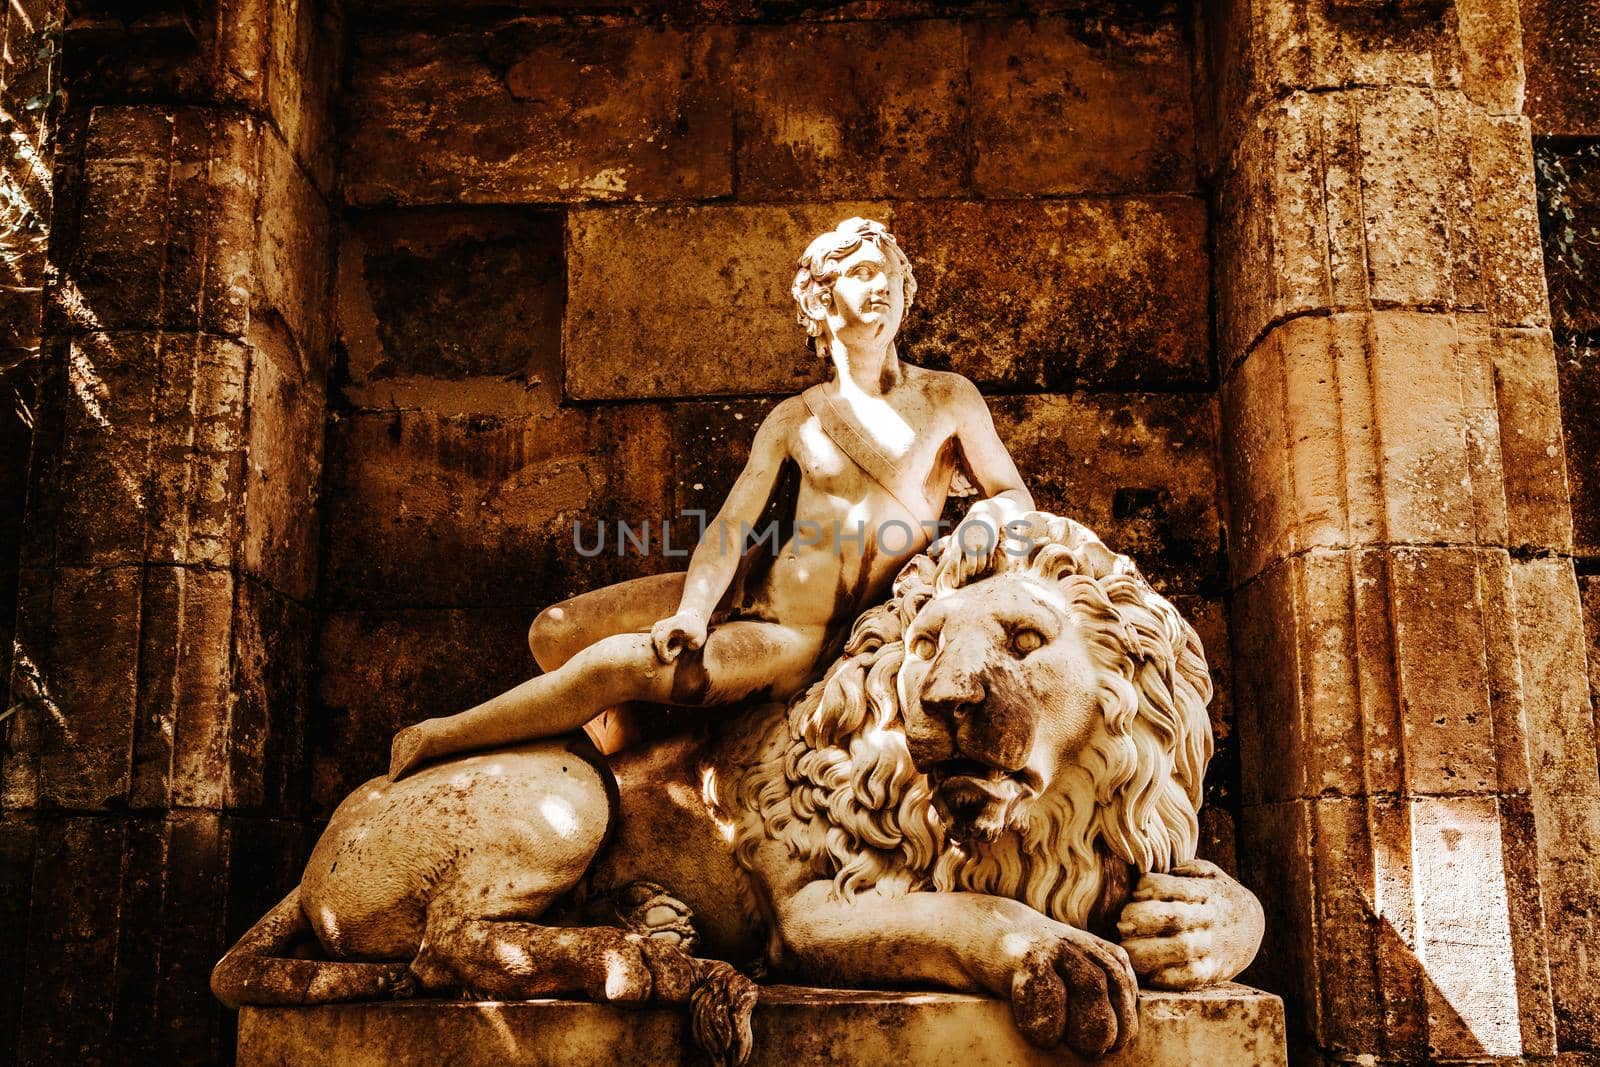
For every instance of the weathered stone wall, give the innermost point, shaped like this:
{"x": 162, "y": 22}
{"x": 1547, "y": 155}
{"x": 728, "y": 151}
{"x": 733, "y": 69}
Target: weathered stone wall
{"x": 1562, "y": 54}
{"x": 563, "y": 296}
{"x": 1562, "y": 47}
{"x": 29, "y": 78}
{"x": 154, "y": 782}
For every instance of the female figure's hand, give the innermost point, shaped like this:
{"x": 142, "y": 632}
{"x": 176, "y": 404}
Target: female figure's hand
{"x": 672, "y": 635}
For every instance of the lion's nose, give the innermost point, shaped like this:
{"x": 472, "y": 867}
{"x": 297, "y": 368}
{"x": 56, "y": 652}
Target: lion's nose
{"x": 950, "y": 695}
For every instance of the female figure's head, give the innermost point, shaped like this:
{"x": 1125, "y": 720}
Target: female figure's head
{"x": 852, "y": 281}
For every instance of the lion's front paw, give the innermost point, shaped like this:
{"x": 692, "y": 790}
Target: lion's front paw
{"x": 648, "y": 910}
{"x": 1078, "y": 989}
{"x": 1191, "y": 928}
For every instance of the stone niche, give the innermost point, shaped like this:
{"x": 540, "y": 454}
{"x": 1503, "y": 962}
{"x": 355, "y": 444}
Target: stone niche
{"x": 355, "y": 309}
{"x": 547, "y": 224}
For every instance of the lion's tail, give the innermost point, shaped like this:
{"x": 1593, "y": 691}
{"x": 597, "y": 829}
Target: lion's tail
{"x": 258, "y": 969}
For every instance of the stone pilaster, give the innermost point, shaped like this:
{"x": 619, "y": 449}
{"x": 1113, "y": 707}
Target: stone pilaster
{"x": 165, "y": 621}
{"x": 1419, "y": 762}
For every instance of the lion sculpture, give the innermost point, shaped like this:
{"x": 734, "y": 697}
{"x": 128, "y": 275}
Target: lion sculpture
{"x": 1006, "y": 759}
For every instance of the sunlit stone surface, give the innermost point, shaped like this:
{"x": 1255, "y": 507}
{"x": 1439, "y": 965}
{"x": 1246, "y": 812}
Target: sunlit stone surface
{"x": 1232, "y": 1025}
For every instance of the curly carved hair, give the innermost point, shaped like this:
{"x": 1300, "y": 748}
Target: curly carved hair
{"x": 819, "y": 267}
{"x": 845, "y": 796}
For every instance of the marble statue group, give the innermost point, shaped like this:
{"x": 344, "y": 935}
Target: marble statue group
{"x": 968, "y": 760}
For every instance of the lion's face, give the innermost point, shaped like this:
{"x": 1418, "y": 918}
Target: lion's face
{"x": 998, "y": 693}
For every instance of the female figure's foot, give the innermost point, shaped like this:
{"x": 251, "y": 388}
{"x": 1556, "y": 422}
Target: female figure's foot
{"x": 410, "y": 748}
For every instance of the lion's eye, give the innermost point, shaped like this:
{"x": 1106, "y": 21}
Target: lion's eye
{"x": 1025, "y": 641}
{"x": 923, "y": 647}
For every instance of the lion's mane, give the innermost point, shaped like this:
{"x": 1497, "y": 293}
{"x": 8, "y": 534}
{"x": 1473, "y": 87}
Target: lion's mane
{"x": 845, "y": 796}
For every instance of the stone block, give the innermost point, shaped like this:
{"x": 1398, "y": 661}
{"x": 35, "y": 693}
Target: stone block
{"x": 186, "y": 646}
{"x": 845, "y": 109}
{"x": 1061, "y": 105}
{"x": 171, "y": 926}
{"x": 456, "y": 512}
{"x": 68, "y": 988}
{"x": 1348, "y": 925}
{"x": 1500, "y": 248}
{"x": 1275, "y": 862}
{"x": 17, "y": 837}
{"x": 194, "y": 220}
{"x": 76, "y": 671}
{"x": 157, "y": 53}
{"x": 1393, "y": 427}
{"x": 1055, "y": 295}
{"x": 282, "y": 476}
{"x": 378, "y": 671}
{"x": 1268, "y": 51}
{"x": 1464, "y": 929}
{"x": 166, "y": 228}
{"x": 1419, "y": 429}
{"x": 1218, "y": 835}
{"x": 1422, "y": 942}
{"x": 294, "y": 250}
{"x": 1140, "y": 470}
{"x": 169, "y": 911}
{"x": 1589, "y": 594}
{"x": 1393, "y": 197}
{"x": 127, "y": 918}
{"x": 1562, "y": 52}
{"x": 1519, "y": 376}
{"x": 708, "y": 309}
{"x": 1569, "y": 868}
{"x": 793, "y": 1026}
{"x": 539, "y": 112}
{"x": 304, "y": 53}
{"x": 1378, "y": 670}
{"x": 1508, "y": 696}
{"x": 265, "y": 858}
{"x": 1209, "y": 617}
{"x": 1552, "y": 653}
{"x": 196, "y": 433}
{"x": 1532, "y": 947}
{"x": 454, "y": 310}
{"x": 1493, "y": 75}
{"x": 276, "y": 58}
{"x": 710, "y": 442}
{"x": 1309, "y": 639}
{"x": 1449, "y": 743}
{"x": 149, "y": 460}
{"x": 274, "y": 662}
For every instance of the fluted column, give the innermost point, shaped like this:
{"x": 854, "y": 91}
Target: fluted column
{"x": 1419, "y": 765}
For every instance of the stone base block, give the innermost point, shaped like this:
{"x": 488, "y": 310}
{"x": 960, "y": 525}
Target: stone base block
{"x": 794, "y": 1026}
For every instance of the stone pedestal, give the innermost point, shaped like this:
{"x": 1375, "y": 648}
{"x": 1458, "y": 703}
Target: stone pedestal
{"x": 1232, "y": 1025}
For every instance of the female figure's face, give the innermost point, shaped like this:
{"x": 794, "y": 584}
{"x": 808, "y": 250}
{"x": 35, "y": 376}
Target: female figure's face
{"x": 868, "y": 297}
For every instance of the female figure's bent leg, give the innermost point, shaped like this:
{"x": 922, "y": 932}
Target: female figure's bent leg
{"x": 739, "y": 659}
{"x": 563, "y": 630}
